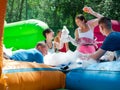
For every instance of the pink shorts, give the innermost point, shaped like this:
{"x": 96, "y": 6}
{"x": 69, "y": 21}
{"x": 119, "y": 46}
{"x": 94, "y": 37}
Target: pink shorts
{"x": 86, "y": 49}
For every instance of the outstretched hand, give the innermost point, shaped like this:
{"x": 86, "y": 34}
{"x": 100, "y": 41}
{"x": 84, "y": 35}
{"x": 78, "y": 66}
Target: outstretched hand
{"x": 88, "y": 10}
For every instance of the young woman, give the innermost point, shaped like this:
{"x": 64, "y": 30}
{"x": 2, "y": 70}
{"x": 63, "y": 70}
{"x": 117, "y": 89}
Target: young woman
{"x": 84, "y": 33}
{"x": 49, "y": 35}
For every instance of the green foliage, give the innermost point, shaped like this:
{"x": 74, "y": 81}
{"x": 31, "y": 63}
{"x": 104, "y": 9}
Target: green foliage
{"x": 110, "y": 8}
{"x": 57, "y": 13}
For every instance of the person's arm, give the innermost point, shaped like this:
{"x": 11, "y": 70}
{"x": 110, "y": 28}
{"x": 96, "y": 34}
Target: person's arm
{"x": 98, "y": 54}
{"x": 76, "y": 34}
{"x": 74, "y": 41}
{"x": 94, "y": 13}
{"x": 67, "y": 46}
{"x": 93, "y": 22}
{"x": 56, "y": 43}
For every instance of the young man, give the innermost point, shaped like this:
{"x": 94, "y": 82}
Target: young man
{"x": 31, "y": 55}
{"x": 111, "y": 42}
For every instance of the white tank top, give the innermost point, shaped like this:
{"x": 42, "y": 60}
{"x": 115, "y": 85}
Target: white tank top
{"x": 51, "y": 50}
{"x": 88, "y": 34}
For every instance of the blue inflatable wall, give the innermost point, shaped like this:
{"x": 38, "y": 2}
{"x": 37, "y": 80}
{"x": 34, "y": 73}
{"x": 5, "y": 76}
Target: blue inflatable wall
{"x": 79, "y": 79}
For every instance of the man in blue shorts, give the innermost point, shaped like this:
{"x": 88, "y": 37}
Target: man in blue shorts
{"x": 31, "y": 55}
{"x": 111, "y": 42}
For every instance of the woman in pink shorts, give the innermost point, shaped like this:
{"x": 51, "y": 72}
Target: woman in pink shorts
{"x": 84, "y": 34}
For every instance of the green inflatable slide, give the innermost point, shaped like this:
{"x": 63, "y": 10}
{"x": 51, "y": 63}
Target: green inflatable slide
{"x": 23, "y": 34}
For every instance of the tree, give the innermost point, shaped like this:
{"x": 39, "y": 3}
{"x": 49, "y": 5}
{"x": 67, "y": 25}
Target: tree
{"x": 57, "y": 13}
{"x": 20, "y": 10}
{"x": 110, "y": 8}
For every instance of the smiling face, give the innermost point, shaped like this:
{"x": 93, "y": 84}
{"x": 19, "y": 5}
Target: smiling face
{"x": 50, "y": 35}
{"x": 80, "y": 20}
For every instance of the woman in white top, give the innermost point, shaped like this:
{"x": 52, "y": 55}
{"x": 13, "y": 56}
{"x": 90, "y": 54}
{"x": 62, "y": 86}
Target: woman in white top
{"x": 84, "y": 34}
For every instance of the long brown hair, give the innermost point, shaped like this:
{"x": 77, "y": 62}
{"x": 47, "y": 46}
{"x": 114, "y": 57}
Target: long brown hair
{"x": 46, "y": 31}
{"x": 81, "y": 17}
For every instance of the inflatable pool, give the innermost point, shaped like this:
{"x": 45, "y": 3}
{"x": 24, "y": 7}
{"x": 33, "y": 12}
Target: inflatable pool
{"x": 80, "y": 79}
{"x": 23, "y": 34}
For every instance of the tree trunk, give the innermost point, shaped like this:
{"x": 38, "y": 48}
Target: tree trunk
{"x": 17, "y": 11}
{"x": 11, "y": 11}
{"x": 21, "y": 8}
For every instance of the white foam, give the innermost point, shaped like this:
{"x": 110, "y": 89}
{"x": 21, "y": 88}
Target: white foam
{"x": 76, "y": 59}
{"x": 111, "y": 66}
{"x": 57, "y": 59}
{"x": 8, "y": 52}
